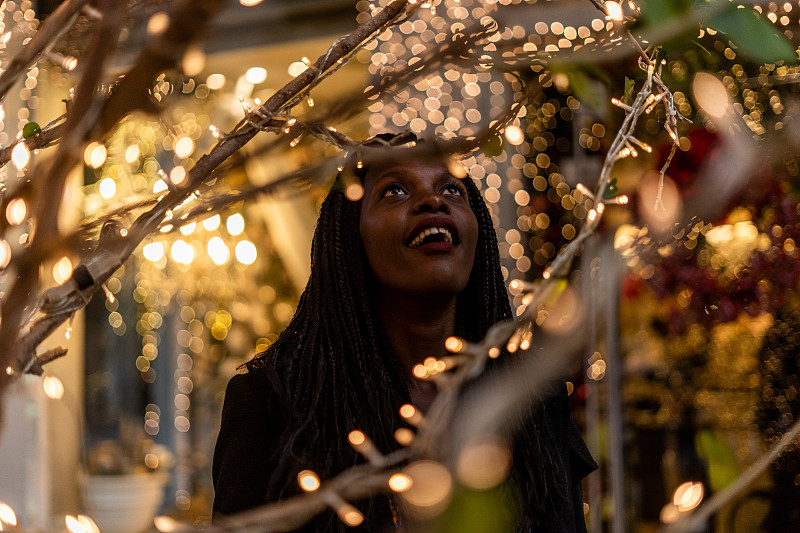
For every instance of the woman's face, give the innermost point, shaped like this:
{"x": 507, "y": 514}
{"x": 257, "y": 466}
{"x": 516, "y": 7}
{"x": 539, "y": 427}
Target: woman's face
{"x": 418, "y": 230}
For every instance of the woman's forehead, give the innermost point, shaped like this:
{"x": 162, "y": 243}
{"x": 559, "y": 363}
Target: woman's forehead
{"x": 400, "y": 165}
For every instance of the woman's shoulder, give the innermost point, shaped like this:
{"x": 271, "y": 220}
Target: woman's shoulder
{"x": 254, "y": 392}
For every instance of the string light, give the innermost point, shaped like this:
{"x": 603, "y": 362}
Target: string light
{"x": 619, "y": 103}
{"x": 68, "y": 63}
{"x": 688, "y": 496}
{"x": 20, "y": 155}
{"x": 7, "y": 515}
{"x": 16, "y": 211}
{"x": 454, "y": 344}
{"x": 153, "y": 251}
{"x": 235, "y": 224}
{"x": 5, "y": 253}
{"x": 614, "y": 10}
{"x": 349, "y": 515}
{"x": 514, "y": 135}
{"x": 109, "y": 294}
{"x": 643, "y": 145}
{"x": 73, "y": 525}
{"x": 95, "y": 154}
{"x": 246, "y": 252}
{"x": 184, "y": 146}
{"x": 622, "y": 199}
{"x": 308, "y": 480}
{"x": 404, "y": 436}
{"x": 584, "y": 191}
{"x": 411, "y": 414}
{"x": 62, "y": 270}
{"x": 363, "y": 445}
{"x": 53, "y": 387}
{"x": 400, "y": 482}
{"x": 256, "y": 75}
{"x": 158, "y": 23}
{"x": 177, "y": 176}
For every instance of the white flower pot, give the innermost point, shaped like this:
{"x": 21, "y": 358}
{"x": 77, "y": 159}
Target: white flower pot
{"x": 123, "y": 503}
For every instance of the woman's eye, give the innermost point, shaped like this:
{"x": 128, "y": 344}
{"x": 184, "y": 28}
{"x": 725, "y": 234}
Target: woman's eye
{"x": 393, "y": 190}
{"x": 452, "y": 189}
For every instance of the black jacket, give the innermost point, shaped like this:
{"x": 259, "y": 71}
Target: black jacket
{"x": 253, "y": 421}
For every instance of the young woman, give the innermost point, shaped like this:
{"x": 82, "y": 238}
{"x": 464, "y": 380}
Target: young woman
{"x": 392, "y": 276}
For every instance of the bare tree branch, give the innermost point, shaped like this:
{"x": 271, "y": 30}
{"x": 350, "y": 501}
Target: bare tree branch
{"x": 51, "y": 29}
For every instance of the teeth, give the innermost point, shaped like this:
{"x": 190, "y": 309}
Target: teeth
{"x": 431, "y": 231}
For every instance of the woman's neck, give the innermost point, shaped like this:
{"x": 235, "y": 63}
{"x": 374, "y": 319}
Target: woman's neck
{"x": 417, "y": 326}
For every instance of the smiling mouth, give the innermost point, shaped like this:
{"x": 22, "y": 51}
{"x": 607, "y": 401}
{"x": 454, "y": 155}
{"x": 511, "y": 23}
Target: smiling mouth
{"x": 432, "y": 235}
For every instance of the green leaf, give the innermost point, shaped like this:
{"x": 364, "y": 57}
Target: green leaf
{"x": 30, "y": 129}
{"x": 559, "y": 285}
{"x": 655, "y": 12}
{"x": 477, "y": 511}
{"x": 587, "y": 91}
{"x": 611, "y": 189}
{"x": 753, "y": 36}
{"x": 723, "y": 468}
{"x": 627, "y": 97}
{"x": 494, "y": 146}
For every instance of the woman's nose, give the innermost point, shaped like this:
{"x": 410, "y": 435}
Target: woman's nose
{"x": 432, "y": 203}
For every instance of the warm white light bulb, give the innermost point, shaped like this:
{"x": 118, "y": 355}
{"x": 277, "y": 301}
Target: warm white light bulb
{"x": 7, "y": 514}
{"x": 62, "y": 270}
{"x": 20, "y": 155}
{"x": 211, "y": 223}
{"x": 218, "y": 251}
{"x": 53, "y": 387}
{"x": 132, "y": 153}
{"x": 256, "y": 75}
{"x": 182, "y": 252}
{"x": 107, "y": 188}
{"x": 246, "y": 252}
{"x": 235, "y": 224}
{"x": 153, "y": 251}
{"x": 184, "y": 146}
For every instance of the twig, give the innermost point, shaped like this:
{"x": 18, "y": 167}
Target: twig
{"x": 51, "y": 29}
{"x": 122, "y": 100}
{"x": 696, "y": 521}
{"x": 42, "y": 359}
{"x": 659, "y": 204}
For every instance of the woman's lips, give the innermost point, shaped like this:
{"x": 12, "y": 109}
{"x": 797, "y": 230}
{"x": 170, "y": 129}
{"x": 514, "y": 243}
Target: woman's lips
{"x": 437, "y": 233}
{"x": 434, "y": 233}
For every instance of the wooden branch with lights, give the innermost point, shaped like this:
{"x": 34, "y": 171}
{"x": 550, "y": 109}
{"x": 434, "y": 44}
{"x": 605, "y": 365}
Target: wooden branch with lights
{"x": 380, "y": 473}
{"x": 468, "y": 359}
{"x": 177, "y": 195}
{"x": 123, "y": 99}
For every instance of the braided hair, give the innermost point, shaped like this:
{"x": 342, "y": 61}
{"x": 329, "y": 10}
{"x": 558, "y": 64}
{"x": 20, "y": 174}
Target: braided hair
{"x": 336, "y": 364}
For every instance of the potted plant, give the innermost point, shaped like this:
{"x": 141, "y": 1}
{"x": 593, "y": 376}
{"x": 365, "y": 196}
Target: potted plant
{"x": 123, "y": 482}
